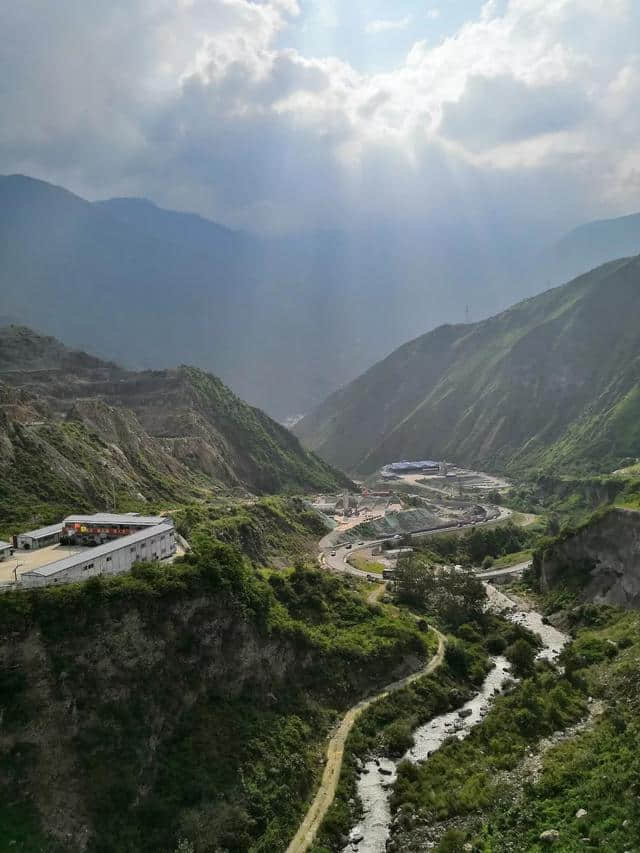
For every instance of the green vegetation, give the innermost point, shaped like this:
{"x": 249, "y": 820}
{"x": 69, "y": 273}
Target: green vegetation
{"x": 270, "y": 531}
{"x": 476, "y": 544}
{"x": 268, "y": 457}
{"x": 79, "y": 434}
{"x": 598, "y": 769}
{"x": 511, "y": 559}
{"x": 366, "y": 565}
{"x": 488, "y": 394}
{"x": 479, "y": 790}
{"x": 59, "y": 468}
{"x": 386, "y": 727}
{"x": 465, "y": 776}
{"x": 572, "y": 500}
{"x": 453, "y": 596}
{"x": 202, "y": 694}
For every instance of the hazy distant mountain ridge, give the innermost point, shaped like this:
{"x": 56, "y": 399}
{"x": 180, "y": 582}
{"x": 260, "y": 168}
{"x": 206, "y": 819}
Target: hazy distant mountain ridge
{"x": 283, "y": 321}
{"x": 552, "y": 383}
{"x": 591, "y": 245}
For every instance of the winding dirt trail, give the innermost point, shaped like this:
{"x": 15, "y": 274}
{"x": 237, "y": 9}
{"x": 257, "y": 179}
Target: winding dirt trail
{"x": 335, "y": 750}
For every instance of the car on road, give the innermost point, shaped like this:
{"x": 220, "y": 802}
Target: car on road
{"x": 360, "y": 543}
{"x": 333, "y": 553}
{"x": 348, "y": 547}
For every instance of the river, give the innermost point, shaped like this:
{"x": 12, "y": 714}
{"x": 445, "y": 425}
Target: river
{"x": 377, "y": 777}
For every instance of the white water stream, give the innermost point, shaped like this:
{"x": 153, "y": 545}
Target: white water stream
{"x": 378, "y": 776}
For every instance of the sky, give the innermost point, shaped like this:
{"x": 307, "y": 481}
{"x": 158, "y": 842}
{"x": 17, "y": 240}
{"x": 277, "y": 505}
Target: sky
{"x": 287, "y": 115}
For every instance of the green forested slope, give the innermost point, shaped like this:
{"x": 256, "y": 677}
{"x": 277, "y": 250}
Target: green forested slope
{"x": 552, "y": 383}
{"x": 78, "y": 433}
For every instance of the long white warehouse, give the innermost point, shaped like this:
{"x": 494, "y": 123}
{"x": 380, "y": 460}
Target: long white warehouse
{"x": 112, "y": 558}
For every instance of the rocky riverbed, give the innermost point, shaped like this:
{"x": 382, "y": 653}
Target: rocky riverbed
{"x": 378, "y": 776}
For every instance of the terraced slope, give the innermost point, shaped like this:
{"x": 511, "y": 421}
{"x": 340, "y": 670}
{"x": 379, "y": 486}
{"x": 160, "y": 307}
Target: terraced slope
{"x": 77, "y": 431}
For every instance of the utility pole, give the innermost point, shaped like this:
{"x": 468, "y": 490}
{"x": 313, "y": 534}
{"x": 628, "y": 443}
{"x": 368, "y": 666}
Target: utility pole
{"x": 467, "y": 315}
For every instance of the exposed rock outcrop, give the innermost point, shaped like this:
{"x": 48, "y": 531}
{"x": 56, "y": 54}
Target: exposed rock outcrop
{"x": 601, "y": 560}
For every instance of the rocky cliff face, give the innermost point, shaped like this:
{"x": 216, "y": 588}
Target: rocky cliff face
{"x": 126, "y": 685}
{"x": 131, "y": 708}
{"x": 601, "y": 560}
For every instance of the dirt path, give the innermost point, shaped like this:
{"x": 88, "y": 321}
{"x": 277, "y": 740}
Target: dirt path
{"x": 335, "y": 750}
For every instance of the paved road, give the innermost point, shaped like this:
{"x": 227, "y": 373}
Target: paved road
{"x": 509, "y": 570}
{"x": 335, "y": 750}
{"x": 338, "y": 562}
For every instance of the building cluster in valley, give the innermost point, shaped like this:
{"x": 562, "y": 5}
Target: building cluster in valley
{"x": 83, "y": 546}
{"x": 424, "y": 466}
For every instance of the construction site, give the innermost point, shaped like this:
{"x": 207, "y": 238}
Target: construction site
{"x": 410, "y": 501}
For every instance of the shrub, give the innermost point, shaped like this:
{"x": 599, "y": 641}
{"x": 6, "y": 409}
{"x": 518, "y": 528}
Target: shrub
{"x": 458, "y": 659}
{"x": 495, "y": 644}
{"x": 399, "y": 738}
{"x": 451, "y": 842}
{"x": 521, "y": 655}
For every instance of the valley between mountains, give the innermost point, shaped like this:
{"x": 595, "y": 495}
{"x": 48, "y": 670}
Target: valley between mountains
{"x": 271, "y": 687}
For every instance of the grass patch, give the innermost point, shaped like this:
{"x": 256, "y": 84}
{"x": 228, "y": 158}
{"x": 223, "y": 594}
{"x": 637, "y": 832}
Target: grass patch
{"x": 366, "y": 565}
{"x": 512, "y": 559}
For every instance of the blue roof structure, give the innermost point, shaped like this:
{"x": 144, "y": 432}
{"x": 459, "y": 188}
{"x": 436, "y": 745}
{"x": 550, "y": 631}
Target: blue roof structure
{"x": 412, "y": 466}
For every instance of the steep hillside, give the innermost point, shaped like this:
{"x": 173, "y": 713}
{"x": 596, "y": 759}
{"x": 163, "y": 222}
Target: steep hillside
{"x": 284, "y": 321}
{"x": 78, "y": 431}
{"x": 552, "y": 383}
{"x": 181, "y": 707}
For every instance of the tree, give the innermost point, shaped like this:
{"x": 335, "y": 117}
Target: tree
{"x": 415, "y": 581}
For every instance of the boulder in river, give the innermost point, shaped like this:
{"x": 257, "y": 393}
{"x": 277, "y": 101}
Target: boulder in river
{"x": 465, "y": 712}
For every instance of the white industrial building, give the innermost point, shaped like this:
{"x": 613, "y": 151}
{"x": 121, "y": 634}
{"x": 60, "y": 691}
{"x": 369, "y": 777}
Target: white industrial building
{"x": 101, "y": 527}
{"x": 114, "y": 519}
{"x": 40, "y": 538}
{"x": 112, "y": 558}
{"x": 5, "y": 550}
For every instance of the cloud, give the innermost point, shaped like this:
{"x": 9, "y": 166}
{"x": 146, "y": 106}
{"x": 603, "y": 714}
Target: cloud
{"x": 385, "y": 25}
{"x": 502, "y": 110}
{"x": 200, "y": 104}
